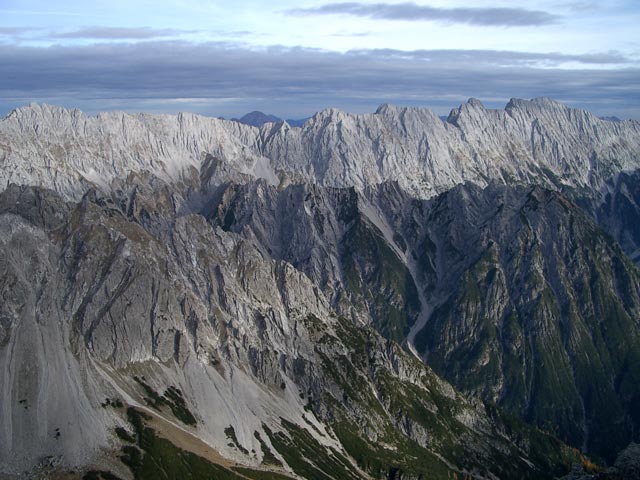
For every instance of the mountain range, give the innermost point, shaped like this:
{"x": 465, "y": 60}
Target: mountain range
{"x": 387, "y": 295}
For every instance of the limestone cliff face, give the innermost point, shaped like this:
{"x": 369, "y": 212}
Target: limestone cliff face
{"x": 270, "y": 274}
{"x": 91, "y": 298}
{"x": 539, "y": 141}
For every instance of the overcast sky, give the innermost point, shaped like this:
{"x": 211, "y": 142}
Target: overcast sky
{"x": 225, "y": 58}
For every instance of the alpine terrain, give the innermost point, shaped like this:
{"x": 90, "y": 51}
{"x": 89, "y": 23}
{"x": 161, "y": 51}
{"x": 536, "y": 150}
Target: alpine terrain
{"x": 388, "y": 295}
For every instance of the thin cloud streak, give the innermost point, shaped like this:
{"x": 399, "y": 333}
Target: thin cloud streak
{"x": 409, "y": 11}
{"x": 350, "y": 34}
{"x": 45, "y": 13}
{"x": 120, "y": 33}
{"x": 226, "y": 79}
{"x": 15, "y": 30}
{"x": 503, "y": 57}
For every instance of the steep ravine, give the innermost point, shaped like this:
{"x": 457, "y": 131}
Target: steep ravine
{"x": 518, "y": 296}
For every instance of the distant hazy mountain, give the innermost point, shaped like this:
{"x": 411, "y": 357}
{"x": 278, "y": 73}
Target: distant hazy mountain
{"x": 257, "y": 119}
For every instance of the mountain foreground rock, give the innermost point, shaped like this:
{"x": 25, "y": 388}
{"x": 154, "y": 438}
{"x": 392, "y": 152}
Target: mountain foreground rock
{"x": 367, "y": 296}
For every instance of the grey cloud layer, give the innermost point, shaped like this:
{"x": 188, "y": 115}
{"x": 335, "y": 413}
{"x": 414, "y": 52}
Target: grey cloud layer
{"x": 299, "y": 81}
{"x": 409, "y": 11}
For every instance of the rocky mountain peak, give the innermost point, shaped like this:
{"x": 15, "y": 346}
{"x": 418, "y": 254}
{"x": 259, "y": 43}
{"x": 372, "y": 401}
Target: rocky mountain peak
{"x": 474, "y": 103}
{"x": 386, "y": 109}
{"x": 329, "y": 115}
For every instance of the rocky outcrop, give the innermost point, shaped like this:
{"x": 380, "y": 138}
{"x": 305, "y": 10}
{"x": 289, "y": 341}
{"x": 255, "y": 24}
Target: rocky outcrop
{"x": 333, "y": 236}
{"x": 626, "y": 467}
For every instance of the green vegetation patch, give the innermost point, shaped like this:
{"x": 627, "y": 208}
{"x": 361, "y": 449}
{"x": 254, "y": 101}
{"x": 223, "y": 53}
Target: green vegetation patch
{"x": 99, "y": 475}
{"x": 393, "y": 455}
{"x": 307, "y": 457}
{"x": 155, "y": 458}
{"x": 378, "y": 281}
{"x": 268, "y": 458}
{"x": 231, "y": 435}
{"x": 381, "y": 443}
{"x": 172, "y": 398}
{"x": 545, "y": 450}
{"x": 124, "y": 435}
{"x": 115, "y": 403}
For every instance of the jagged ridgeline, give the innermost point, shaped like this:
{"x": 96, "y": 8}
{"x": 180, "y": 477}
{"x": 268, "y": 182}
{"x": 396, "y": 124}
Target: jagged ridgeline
{"x": 367, "y": 296}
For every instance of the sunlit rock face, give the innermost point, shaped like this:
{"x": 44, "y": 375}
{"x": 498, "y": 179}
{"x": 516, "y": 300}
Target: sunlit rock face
{"x": 539, "y": 141}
